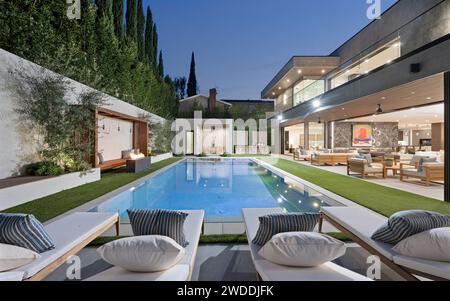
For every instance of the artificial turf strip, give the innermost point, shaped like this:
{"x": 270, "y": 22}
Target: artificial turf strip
{"x": 209, "y": 239}
{"x": 378, "y": 198}
{"x": 54, "y": 205}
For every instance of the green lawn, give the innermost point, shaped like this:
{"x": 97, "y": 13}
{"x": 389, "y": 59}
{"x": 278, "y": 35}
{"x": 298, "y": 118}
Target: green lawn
{"x": 381, "y": 199}
{"x": 51, "y": 206}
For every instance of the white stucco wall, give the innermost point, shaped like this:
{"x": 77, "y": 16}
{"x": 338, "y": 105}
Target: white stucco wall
{"x": 111, "y": 140}
{"x": 17, "y": 146}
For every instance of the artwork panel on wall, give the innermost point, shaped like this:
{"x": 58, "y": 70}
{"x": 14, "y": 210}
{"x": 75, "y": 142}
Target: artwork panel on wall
{"x": 362, "y": 135}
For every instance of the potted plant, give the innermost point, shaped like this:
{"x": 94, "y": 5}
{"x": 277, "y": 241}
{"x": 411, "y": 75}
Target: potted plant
{"x": 389, "y": 161}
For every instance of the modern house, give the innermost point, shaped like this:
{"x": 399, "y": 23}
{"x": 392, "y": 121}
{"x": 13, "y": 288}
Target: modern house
{"x": 385, "y": 90}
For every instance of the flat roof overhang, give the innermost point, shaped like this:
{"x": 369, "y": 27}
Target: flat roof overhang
{"x": 299, "y": 68}
{"x": 387, "y": 85}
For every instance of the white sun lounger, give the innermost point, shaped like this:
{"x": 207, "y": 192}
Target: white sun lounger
{"x": 360, "y": 223}
{"x": 180, "y": 272}
{"x": 71, "y": 233}
{"x": 269, "y": 271}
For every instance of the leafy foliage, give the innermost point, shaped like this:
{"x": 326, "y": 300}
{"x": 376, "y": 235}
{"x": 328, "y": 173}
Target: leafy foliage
{"x": 192, "y": 82}
{"x": 161, "y": 137}
{"x": 92, "y": 50}
{"x": 65, "y": 130}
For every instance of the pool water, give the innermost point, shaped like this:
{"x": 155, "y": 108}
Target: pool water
{"x": 220, "y": 187}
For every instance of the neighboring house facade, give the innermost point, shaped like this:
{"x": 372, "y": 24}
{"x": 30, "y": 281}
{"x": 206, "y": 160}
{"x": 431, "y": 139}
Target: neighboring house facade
{"x": 386, "y": 87}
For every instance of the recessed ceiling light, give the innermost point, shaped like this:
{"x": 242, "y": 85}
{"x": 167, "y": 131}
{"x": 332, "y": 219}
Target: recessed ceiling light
{"x": 279, "y": 88}
{"x": 436, "y": 116}
{"x": 288, "y": 80}
{"x": 346, "y": 119}
{"x": 367, "y": 71}
{"x": 413, "y": 109}
{"x": 366, "y": 61}
{"x": 299, "y": 71}
{"x": 323, "y": 71}
{"x": 383, "y": 98}
{"x": 396, "y": 45}
{"x": 429, "y": 98}
{"x": 343, "y": 109}
{"x": 388, "y": 61}
{"x": 348, "y": 71}
{"x": 316, "y": 103}
{"x": 413, "y": 93}
{"x": 273, "y": 93}
{"x": 397, "y": 120}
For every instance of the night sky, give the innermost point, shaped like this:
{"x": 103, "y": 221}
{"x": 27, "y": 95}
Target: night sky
{"x": 241, "y": 44}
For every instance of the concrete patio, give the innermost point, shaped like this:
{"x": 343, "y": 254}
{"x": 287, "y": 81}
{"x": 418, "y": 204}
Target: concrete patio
{"x": 434, "y": 191}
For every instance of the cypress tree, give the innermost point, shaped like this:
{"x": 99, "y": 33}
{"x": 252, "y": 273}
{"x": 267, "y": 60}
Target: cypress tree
{"x": 192, "y": 82}
{"x": 104, "y": 8}
{"x": 149, "y": 38}
{"x": 118, "y": 19}
{"x": 131, "y": 17}
{"x": 140, "y": 31}
{"x": 161, "y": 65}
{"x": 155, "y": 47}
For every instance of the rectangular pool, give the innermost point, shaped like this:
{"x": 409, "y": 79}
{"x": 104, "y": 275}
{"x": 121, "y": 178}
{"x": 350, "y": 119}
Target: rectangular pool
{"x": 221, "y": 187}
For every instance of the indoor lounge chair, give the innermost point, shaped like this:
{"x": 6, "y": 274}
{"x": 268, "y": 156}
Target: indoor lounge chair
{"x": 359, "y": 223}
{"x": 70, "y": 234}
{"x": 268, "y": 271}
{"x": 182, "y": 271}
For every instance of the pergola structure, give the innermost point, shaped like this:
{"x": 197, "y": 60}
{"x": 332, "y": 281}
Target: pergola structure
{"x": 140, "y": 130}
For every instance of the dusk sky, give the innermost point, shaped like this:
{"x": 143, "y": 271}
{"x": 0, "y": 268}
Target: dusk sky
{"x": 241, "y": 44}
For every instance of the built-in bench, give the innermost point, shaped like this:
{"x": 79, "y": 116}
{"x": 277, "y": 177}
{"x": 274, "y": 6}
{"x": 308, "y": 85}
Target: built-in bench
{"x": 107, "y": 165}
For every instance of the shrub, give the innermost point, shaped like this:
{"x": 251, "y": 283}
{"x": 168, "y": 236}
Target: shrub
{"x": 44, "y": 168}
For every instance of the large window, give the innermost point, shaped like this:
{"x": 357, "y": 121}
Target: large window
{"x": 380, "y": 57}
{"x": 316, "y": 135}
{"x": 307, "y": 90}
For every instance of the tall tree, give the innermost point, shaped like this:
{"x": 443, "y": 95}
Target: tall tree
{"x": 140, "y": 31}
{"x": 155, "y": 47}
{"x": 131, "y": 18}
{"x": 161, "y": 65}
{"x": 104, "y": 8}
{"x": 180, "y": 85}
{"x": 149, "y": 52}
{"x": 192, "y": 82}
{"x": 118, "y": 18}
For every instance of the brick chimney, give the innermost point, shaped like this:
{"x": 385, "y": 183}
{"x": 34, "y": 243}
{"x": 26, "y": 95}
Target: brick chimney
{"x": 212, "y": 100}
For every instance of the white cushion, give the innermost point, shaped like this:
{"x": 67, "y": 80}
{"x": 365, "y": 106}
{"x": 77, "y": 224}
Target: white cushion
{"x": 302, "y": 249}
{"x": 432, "y": 245}
{"x": 11, "y": 276}
{"x": 180, "y": 272}
{"x": 151, "y": 253}
{"x": 12, "y": 257}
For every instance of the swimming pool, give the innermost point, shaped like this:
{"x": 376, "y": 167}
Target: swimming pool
{"x": 221, "y": 187}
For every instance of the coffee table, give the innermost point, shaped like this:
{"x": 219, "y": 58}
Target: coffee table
{"x": 395, "y": 169}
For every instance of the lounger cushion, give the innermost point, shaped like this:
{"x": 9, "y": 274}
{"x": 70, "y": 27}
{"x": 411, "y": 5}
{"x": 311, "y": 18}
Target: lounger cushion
{"x": 407, "y": 223}
{"x": 68, "y": 232}
{"x": 433, "y": 245}
{"x": 269, "y": 225}
{"x": 434, "y": 268}
{"x": 25, "y": 231}
{"x": 270, "y": 271}
{"x": 176, "y": 273}
{"x": 159, "y": 222}
{"x": 302, "y": 249}
{"x": 151, "y": 253}
{"x": 12, "y": 257}
{"x": 11, "y": 276}
{"x": 363, "y": 223}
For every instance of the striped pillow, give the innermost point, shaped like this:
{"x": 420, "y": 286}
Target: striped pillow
{"x": 159, "y": 222}
{"x": 270, "y": 225}
{"x": 24, "y": 231}
{"x": 404, "y": 224}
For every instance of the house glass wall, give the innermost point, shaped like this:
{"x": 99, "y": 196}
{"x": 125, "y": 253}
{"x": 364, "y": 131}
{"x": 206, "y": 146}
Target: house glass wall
{"x": 316, "y": 135}
{"x": 307, "y": 90}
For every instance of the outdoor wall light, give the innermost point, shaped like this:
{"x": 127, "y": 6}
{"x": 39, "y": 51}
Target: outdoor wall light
{"x": 118, "y": 128}
{"x": 103, "y": 127}
{"x": 380, "y": 109}
{"x": 320, "y": 121}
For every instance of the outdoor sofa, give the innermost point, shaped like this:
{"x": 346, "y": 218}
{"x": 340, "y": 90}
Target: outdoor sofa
{"x": 361, "y": 167}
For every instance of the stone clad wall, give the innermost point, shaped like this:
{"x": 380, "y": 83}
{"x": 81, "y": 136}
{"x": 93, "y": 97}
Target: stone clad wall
{"x": 385, "y": 134}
